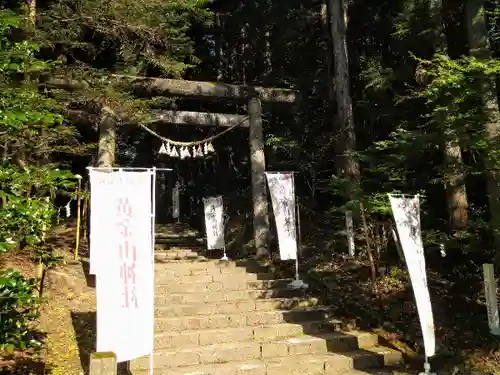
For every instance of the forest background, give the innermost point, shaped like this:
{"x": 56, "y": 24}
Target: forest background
{"x": 397, "y": 96}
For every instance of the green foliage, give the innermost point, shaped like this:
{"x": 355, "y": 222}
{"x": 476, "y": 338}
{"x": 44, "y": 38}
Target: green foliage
{"x": 31, "y": 133}
{"x": 133, "y": 36}
{"x": 18, "y": 307}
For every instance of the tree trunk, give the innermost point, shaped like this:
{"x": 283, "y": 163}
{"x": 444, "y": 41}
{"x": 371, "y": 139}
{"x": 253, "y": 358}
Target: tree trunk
{"x": 479, "y": 47}
{"x": 348, "y": 166}
{"x": 258, "y": 178}
{"x": 107, "y": 139}
{"x": 453, "y": 171}
{"x": 219, "y": 37}
{"x": 31, "y": 14}
{"x": 328, "y": 61}
{"x": 456, "y": 194}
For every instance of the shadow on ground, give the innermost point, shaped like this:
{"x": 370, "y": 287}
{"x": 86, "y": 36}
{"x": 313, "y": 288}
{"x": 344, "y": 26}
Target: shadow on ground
{"x": 84, "y": 324}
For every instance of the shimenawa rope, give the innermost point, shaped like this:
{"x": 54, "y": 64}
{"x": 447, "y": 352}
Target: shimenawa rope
{"x": 192, "y": 143}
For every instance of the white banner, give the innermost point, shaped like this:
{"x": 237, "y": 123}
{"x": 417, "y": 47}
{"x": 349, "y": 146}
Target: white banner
{"x": 175, "y": 201}
{"x": 124, "y": 280}
{"x": 406, "y": 212}
{"x": 349, "y": 228}
{"x": 490, "y": 292}
{"x": 102, "y": 185}
{"x": 282, "y": 190}
{"x": 214, "y": 222}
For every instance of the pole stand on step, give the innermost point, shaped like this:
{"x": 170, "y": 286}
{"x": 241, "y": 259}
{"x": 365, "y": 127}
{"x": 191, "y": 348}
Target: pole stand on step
{"x": 427, "y": 368}
{"x": 297, "y": 283}
{"x": 224, "y": 257}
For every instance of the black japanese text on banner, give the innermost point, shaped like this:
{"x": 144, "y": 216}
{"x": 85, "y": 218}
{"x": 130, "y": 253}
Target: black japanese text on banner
{"x": 406, "y": 212}
{"x": 125, "y": 309}
{"x": 282, "y": 192}
{"x": 214, "y": 222}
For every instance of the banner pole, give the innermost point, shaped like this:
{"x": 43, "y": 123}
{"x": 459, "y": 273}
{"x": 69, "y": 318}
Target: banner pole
{"x": 298, "y": 283}
{"x": 299, "y": 243}
{"x": 153, "y": 225}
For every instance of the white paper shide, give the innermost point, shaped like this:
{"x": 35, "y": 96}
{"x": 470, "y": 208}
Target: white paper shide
{"x": 406, "y": 212}
{"x": 282, "y": 190}
{"x": 214, "y": 222}
{"x": 124, "y": 270}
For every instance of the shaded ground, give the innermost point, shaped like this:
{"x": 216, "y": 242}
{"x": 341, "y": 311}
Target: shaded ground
{"x": 464, "y": 344}
{"x": 67, "y": 317}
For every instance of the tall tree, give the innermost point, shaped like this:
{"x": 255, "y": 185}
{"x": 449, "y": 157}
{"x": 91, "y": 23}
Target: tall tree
{"x": 347, "y": 163}
{"x": 479, "y": 47}
{"x": 453, "y": 168}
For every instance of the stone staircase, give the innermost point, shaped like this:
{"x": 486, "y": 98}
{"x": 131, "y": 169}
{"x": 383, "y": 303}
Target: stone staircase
{"x": 234, "y": 318}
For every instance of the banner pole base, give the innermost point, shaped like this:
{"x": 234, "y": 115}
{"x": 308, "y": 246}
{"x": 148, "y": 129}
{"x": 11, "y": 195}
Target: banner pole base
{"x": 427, "y": 368}
{"x": 297, "y": 283}
{"x": 495, "y": 331}
{"x": 224, "y": 257}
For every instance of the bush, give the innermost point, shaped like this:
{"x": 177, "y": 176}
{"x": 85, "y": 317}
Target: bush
{"x": 18, "y": 311}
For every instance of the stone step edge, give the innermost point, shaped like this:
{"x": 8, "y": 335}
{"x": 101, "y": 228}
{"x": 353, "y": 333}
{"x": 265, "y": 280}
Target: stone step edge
{"x": 246, "y": 264}
{"x": 165, "y": 294}
{"x": 162, "y": 279}
{"x": 292, "y": 340}
{"x": 283, "y": 300}
{"x": 245, "y": 367}
{"x": 384, "y": 356}
{"x": 332, "y": 325}
{"x": 298, "y": 310}
{"x": 284, "y": 283}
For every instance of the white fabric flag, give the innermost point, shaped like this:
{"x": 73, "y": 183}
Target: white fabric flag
{"x": 490, "y": 292}
{"x": 125, "y": 274}
{"x": 102, "y": 185}
{"x": 214, "y": 222}
{"x": 175, "y": 201}
{"x": 349, "y": 227}
{"x": 283, "y": 200}
{"x": 406, "y": 212}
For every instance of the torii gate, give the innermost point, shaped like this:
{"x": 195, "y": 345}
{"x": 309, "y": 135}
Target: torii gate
{"x": 207, "y": 90}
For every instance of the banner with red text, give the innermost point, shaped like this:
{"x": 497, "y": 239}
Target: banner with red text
{"x": 125, "y": 273}
{"x": 406, "y": 212}
{"x": 281, "y": 187}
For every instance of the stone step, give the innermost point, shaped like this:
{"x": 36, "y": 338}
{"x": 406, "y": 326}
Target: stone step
{"x": 196, "y": 264}
{"x": 222, "y": 359}
{"x": 258, "y": 368}
{"x": 219, "y": 286}
{"x": 166, "y": 276}
{"x": 164, "y": 272}
{"x": 166, "y": 299}
{"x": 249, "y": 265}
{"x": 251, "y": 319}
{"x": 297, "y": 340}
{"x": 234, "y": 307}
{"x": 275, "y": 332}
{"x": 179, "y": 254}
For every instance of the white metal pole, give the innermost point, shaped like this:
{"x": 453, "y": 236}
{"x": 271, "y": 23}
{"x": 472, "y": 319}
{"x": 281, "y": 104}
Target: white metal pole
{"x": 153, "y": 227}
{"x": 298, "y": 283}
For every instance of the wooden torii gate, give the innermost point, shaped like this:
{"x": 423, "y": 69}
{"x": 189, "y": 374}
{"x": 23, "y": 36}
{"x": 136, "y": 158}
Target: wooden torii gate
{"x": 144, "y": 86}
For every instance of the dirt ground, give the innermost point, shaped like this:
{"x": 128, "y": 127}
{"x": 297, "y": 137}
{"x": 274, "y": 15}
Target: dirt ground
{"x": 464, "y": 345}
{"x": 67, "y": 318}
